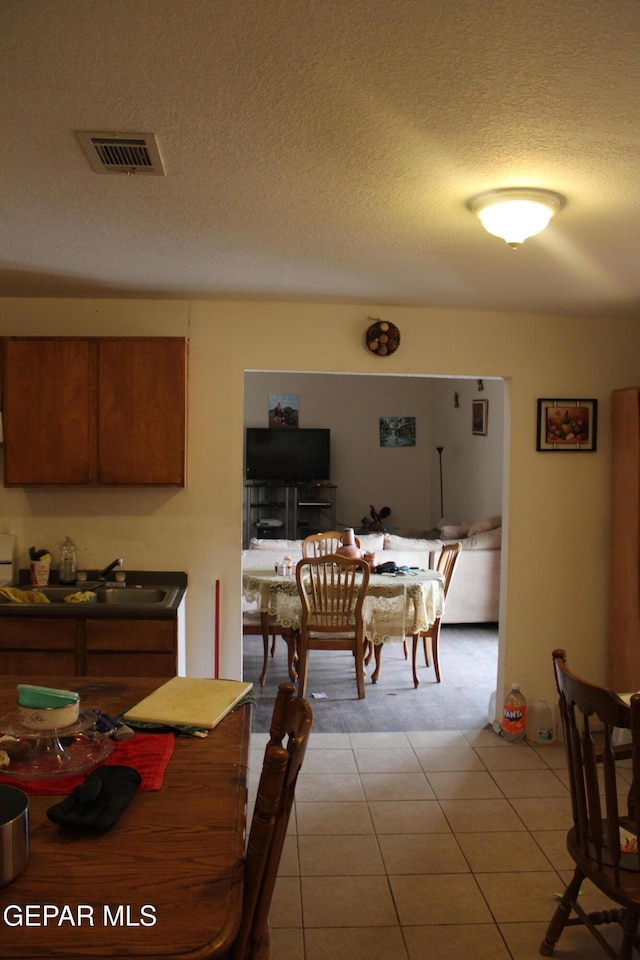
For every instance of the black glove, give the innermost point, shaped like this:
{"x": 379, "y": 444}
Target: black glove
{"x": 97, "y": 803}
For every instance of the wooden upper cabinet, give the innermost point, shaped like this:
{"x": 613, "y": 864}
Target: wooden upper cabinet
{"x": 624, "y": 564}
{"x": 94, "y": 411}
{"x": 48, "y": 411}
{"x": 141, "y": 411}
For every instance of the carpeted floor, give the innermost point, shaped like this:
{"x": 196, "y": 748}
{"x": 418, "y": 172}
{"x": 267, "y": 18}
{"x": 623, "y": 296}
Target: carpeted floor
{"x": 468, "y": 666}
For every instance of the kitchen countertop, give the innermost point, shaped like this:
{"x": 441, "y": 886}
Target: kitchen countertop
{"x": 128, "y": 611}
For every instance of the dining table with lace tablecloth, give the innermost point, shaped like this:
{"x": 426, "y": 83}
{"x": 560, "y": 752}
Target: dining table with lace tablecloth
{"x": 396, "y": 605}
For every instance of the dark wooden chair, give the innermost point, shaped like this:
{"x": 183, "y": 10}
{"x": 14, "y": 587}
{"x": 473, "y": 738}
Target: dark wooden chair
{"x": 332, "y": 590}
{"x": 603, "y": 841}
{"x": 446, "y": 566}
{"x": 292, "y": 719}
{"x": 256, "y": 623}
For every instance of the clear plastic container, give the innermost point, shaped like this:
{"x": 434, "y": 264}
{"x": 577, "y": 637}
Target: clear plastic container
{"x": 68, "y": 564}
{"x": 541, "y": 725}
{"x": 514, "y": 715}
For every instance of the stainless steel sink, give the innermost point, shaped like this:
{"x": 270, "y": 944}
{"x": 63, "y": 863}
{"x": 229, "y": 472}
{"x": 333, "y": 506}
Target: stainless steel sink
{"x": 54, "y": 594}
{"x": 131, "y": 596}
{"x": 135, "y": 595}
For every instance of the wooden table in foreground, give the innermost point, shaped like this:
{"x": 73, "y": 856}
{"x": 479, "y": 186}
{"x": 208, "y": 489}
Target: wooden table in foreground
{"x": 166, "y": 881}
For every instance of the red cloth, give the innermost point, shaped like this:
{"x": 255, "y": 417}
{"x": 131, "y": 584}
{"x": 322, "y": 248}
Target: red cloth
{"x": 148, "y": 753}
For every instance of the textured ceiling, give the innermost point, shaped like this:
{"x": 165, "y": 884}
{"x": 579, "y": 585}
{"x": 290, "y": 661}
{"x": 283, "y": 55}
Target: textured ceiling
{"x": 323, "y": 150}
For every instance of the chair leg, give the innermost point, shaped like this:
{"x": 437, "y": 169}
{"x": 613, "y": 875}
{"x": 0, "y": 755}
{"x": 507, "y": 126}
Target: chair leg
{"x": 290, "y": 637}
{"x": 435, "y": 648}
{"x": 561, "y": 916}
{"x": 405, "y": 647}
{"x": 359, "y": 658}
{"x": 264, "y": 621}
{"x": 630, "y": 932}
{"x": 273, "y": 645}
{"x": 377, "y": 650}
{"x": 414, "y": 653}
{"x": 303, "y": 663}
{"x": 425, "y": 638}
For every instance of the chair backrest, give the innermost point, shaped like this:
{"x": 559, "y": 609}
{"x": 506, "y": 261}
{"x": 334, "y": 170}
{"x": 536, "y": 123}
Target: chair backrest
{"x": 589, "y": 714}
{"x": 332, "y": 591}
{"x": 447, "y": 563}
{"x": 292, "y": 718}
{"x": 322, "y": 544}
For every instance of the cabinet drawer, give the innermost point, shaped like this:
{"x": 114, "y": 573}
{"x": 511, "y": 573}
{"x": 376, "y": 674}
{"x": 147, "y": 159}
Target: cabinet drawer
{"x": 32, "y": 634}
{"x": 142, "y": 636}
{"x": 25, "y": 663}
{"x": 131, "y": 665}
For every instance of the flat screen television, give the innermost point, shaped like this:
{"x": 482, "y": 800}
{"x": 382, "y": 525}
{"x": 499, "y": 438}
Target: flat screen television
{"x": 293, "y": 456}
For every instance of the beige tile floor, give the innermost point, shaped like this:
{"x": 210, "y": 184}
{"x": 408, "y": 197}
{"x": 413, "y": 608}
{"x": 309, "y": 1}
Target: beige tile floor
{"x": 438, "y": 845}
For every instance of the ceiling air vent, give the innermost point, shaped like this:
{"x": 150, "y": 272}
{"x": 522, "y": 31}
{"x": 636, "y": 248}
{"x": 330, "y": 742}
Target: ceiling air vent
{"x": 127, "y": 153}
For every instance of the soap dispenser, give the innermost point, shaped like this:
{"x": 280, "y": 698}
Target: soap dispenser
{"x": 68, "y": 566}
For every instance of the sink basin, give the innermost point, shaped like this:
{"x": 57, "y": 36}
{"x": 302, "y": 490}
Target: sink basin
{"x": 135, "y": 595}
{"x": 54, "y": 594}
{"x": 124, "y": 596}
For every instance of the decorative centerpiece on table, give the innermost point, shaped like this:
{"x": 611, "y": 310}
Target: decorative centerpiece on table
{"x": 374, "y": 523}
{"x": 348, "y": 547}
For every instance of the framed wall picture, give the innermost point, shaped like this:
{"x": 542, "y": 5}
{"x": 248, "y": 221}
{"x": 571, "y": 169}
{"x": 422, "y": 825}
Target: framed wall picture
{"x": 567, "y": 426}
{"x": 397, "y": 431}
{"x": 283, "y": 410}
{"x": 479, "y": 415}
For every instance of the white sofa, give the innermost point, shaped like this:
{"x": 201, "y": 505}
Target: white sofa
{"x": 474, "y": 595}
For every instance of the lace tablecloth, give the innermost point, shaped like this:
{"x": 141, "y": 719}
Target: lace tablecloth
{"x": 395, "y": 607}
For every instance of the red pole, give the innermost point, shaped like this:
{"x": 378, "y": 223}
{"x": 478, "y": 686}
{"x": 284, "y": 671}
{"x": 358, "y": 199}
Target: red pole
{"x": 216, "y": 638}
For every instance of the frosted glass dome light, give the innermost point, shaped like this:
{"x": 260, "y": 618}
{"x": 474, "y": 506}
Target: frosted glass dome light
{"x": 515, "y": 213}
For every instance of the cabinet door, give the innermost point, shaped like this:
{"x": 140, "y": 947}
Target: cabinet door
{"x": 48, "y": 411}
{"x": 31, "y": 646}
{"x": 141, "y": 411}
{"x": 131, "y": 648}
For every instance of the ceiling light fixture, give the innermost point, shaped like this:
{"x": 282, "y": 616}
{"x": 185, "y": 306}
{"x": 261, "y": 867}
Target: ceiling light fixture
{"x": 516, "y": 213}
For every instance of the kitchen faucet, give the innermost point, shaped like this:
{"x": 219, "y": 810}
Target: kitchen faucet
{"x": 115, "y": 563}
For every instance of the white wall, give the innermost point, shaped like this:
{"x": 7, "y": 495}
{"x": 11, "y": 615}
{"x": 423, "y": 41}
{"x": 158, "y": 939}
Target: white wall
{"x": 557, "y": 505}
{"x": 472, "y": 465}
{"x": 404, "y": 478}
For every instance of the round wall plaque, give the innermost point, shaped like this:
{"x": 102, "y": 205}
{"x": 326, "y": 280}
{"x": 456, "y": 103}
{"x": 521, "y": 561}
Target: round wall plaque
{"x": 383, "y": 338}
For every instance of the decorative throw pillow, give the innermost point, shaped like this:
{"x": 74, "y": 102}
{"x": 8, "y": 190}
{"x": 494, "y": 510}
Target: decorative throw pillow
{"x": 371, "y": 541}
{"x": 392, "y": 542}
{"x": 490, "y": 523}
{"x": 487, "y": 540}
{"x": 454, "y": 531}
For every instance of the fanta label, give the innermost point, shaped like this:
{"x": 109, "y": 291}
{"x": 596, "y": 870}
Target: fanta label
{"x": 514, "y": 719}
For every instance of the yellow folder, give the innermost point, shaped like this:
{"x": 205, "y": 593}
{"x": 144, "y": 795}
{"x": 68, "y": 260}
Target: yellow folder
{"x": 190, "y": 701}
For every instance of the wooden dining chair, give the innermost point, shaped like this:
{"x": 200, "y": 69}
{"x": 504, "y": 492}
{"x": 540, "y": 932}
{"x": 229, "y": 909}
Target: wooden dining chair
{"x": 258, "y": 624}
{"x": 322, "y": 544}
{"x": 292, "y": 719}
{"x": 603, "y": 841}
{"x": 446, "y": 566}
{"x": 332, "y": 591}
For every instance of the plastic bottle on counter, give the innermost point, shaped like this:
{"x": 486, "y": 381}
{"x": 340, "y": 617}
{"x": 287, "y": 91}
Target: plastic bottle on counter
{"x": 514, "y": 715}
{"x": 68, "y": 565}
{"x": 541, "y": 727}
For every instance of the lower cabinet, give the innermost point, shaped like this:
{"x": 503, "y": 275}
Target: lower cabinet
{"x": 131, "y": 648}
{"x": 85, "y": 647}
{"x": 39, "y": 646}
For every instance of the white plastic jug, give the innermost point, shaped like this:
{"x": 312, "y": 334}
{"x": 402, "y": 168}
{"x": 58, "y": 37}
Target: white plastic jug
{"x": 541, "y": 724}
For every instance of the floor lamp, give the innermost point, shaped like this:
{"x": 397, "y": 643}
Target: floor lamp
{"x": 440, "y": 449}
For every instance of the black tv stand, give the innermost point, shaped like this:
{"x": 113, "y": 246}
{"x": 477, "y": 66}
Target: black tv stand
{"x": 279, "y": 509}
